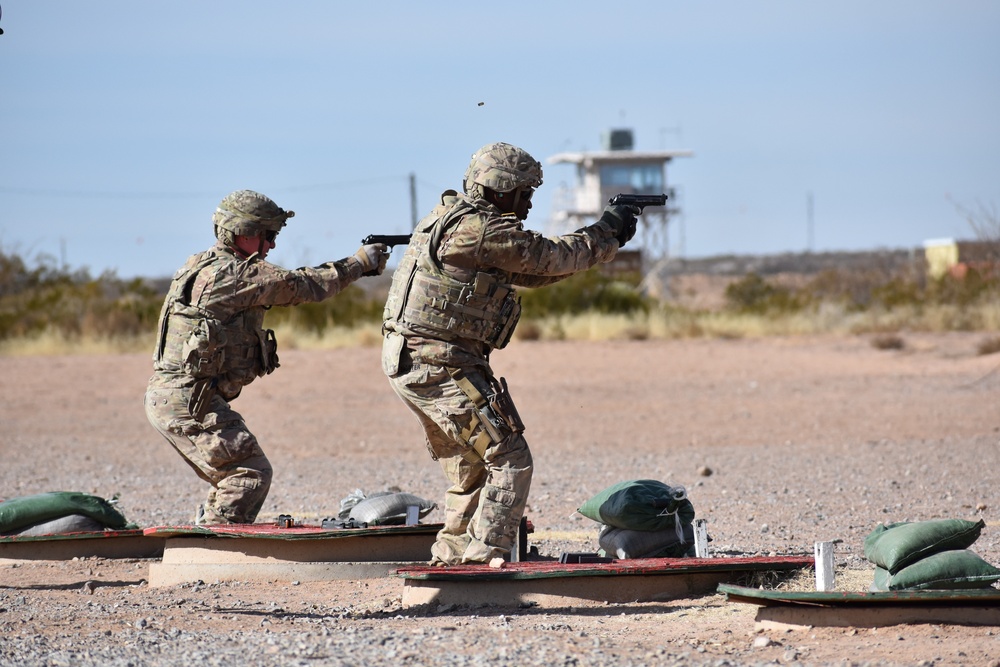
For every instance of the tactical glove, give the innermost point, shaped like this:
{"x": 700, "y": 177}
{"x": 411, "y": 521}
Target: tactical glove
{"x": 372, "y": 258}
{"x": 622, "y": 220}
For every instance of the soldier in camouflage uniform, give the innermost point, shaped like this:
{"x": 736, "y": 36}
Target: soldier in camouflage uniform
{"x": 451, "y": 303}
{"x": 211, "y": 344}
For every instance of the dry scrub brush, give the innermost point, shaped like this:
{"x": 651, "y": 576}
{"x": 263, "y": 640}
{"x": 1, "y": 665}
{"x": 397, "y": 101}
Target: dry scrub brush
{"x": 45, "y": 309}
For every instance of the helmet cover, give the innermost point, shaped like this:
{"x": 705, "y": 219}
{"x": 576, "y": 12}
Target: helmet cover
{"x": 502, "y": 168}
{"x": 249, "y": 213}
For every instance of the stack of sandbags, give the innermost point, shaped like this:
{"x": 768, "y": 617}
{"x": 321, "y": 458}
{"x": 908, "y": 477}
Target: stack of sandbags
{"x": 59, "y": 512}
{"x": 928, "y": 555}
{"x": 643, "y": 518}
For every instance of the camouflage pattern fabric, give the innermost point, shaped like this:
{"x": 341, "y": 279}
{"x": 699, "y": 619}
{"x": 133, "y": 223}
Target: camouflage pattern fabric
{"x": 220, "y": 449}
{"x": 486, "y": 499}
{"x": 250, "y": 213}
{"x": 210, "y": 345}
{"x": 503, "y": 168}
{"x": 482, "y": 241}
{"x": 470, "y": 237}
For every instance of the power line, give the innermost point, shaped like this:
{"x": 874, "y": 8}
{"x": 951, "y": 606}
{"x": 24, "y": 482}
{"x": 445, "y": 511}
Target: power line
{"x": 98, "y": 194}
{"x": 111, "y": 194}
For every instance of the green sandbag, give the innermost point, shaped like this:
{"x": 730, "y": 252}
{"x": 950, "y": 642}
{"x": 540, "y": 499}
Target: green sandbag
{"x": 17, "y": 513}
{"x": 621, "y": 543}
{"x": 946, "y": 570}
{"x": 642, "y": 504}
{"x": 897, "y": 545}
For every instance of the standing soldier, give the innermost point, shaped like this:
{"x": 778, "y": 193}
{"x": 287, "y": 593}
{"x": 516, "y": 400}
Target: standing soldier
{"x": 212, "y": 343}
{"x": 451, "y": 303}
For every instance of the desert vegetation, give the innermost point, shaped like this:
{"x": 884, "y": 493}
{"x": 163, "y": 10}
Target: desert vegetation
{"x": 50, "y": 309}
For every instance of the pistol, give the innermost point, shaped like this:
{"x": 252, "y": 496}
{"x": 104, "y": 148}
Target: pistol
{"x": 639, "y": 201}
{"x": 388, "y": 239}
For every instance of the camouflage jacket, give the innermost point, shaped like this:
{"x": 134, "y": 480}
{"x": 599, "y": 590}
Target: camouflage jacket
{"x": 211, "y": 325}
{"x": 476, "y": 244}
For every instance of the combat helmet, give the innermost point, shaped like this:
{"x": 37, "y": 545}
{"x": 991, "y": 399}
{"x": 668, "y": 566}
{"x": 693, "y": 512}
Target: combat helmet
{"x": 503, "y": 168}
{"x": 249, "y": 213}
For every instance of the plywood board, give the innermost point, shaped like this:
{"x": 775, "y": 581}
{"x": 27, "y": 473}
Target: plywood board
{"x": 86, "y": 544}
{"x": 301, "y": 553}
{"x": 804, "y": 609}
{"x": 551, "y": 583}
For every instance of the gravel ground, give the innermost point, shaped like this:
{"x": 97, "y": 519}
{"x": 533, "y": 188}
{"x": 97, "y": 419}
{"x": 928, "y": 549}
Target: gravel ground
{"x": 780, "y": 442}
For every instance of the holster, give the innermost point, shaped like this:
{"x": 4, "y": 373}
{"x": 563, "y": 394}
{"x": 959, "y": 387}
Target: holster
{"x": 496, "y": 413}
{"x": 504, "y": 407}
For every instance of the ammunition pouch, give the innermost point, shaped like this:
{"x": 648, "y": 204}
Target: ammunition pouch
{"x": 392, "y": 350}
{"x": 503, "y": 407}
{"x": 202, "y": 393}
{"x": 507, "y": 318}
{"x": 268, "y": 351}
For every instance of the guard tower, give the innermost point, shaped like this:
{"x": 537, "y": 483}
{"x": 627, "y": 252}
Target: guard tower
{"x": 618, "y": 169}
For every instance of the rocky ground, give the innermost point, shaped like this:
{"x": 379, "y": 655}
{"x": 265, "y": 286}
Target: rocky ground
{"x": 781, "y": 443}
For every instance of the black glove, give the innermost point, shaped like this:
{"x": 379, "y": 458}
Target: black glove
{"x": 622, "y": 220}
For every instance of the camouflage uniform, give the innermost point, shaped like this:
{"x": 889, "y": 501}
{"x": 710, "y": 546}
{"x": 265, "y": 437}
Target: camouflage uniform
{"x": 211, "y": 344}
{"x": 452, "y": 301}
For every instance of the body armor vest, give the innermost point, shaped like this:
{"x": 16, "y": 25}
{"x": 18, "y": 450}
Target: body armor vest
{"x": 425, "y": 299}
{"x": 194, "y": 342}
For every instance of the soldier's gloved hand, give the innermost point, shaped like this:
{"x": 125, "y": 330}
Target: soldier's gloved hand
{"x": 622, "y": 220}
{"x": 372, "y": 258}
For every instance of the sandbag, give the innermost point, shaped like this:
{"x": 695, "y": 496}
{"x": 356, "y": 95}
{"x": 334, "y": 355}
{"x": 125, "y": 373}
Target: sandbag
{"x": 18, "y": 513}
{"x": 898, "y": 545}
{"x": 622, "y": 543}
{"x": 948, "y": 570}
{"x": 389, "y": 509}
{"x": 74, "y": 523}
{"x": 642, "y": 504}
{"x": 352, "y": 499}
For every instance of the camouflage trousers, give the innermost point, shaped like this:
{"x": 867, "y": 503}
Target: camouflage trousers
{"x": 489, "y": 490}
{"x": 220, "y": 449}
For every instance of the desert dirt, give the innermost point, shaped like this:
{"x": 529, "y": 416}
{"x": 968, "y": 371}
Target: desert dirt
{"x": 780, "y": 443}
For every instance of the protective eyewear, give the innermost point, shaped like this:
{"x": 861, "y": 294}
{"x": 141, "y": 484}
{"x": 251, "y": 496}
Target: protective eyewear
{"x": 270, "y": 236}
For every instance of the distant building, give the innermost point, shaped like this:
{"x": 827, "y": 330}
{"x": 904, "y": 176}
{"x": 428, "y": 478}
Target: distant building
{"x": 948, "y": 256}
{"x": 618, "y": 169}
{"x": 941, "y": 255}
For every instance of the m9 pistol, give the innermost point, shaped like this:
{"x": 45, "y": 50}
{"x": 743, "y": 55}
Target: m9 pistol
{"x": 639, "y": 201}
{"x": 385, "y": 239}
{"x": 388, "y": 239}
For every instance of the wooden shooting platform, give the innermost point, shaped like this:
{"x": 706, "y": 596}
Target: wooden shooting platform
{"x": 805, "y": 609}
{"x": 551, "y": 583}
{"x": 84, "y": 544}
{"x": 269, "y": 552}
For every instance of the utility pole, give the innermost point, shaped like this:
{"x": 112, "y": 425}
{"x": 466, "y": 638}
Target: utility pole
{"x": 413, "y": 200}
{"x": 809, "y": 222}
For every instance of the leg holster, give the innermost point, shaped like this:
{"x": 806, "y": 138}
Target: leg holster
{"x": 496, "y": 413}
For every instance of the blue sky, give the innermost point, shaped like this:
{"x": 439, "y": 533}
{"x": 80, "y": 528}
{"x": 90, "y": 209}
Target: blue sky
{"x": 123, "y": 123}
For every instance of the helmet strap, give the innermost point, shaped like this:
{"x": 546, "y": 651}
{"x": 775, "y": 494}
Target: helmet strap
{"x": 517, "y": 200}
